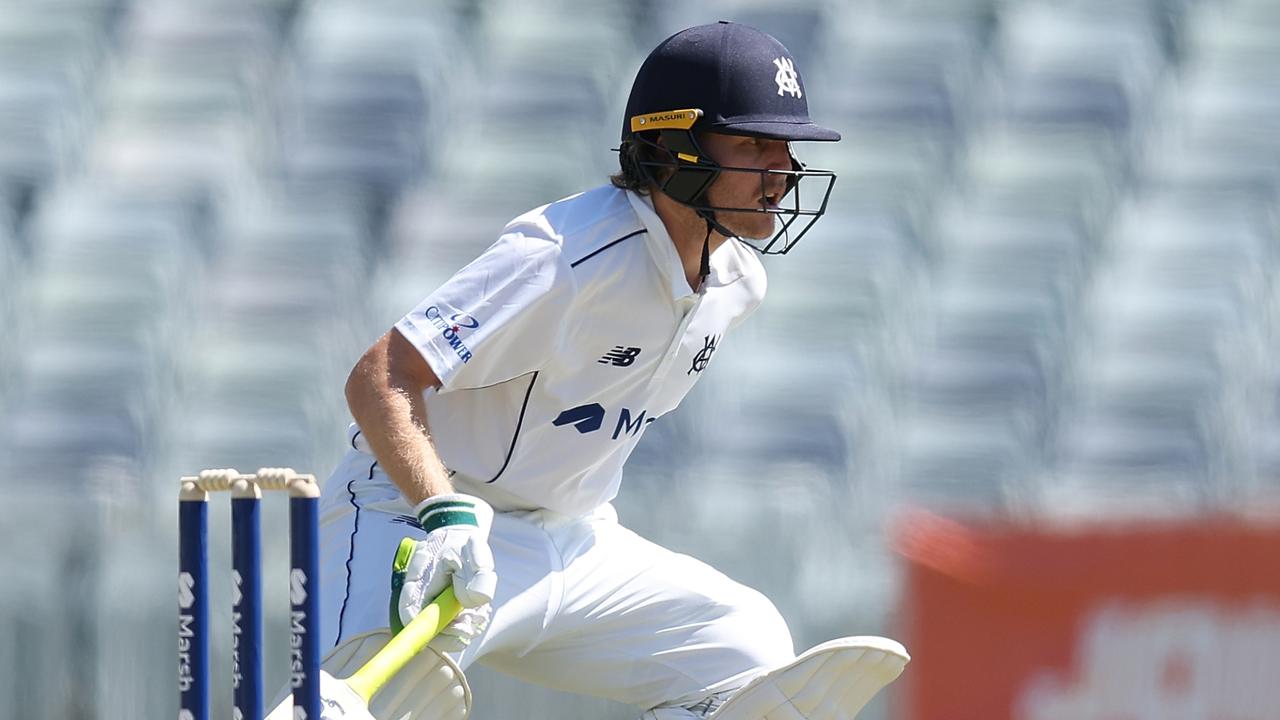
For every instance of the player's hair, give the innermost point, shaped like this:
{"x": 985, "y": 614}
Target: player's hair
{"x": 631, "y": 175}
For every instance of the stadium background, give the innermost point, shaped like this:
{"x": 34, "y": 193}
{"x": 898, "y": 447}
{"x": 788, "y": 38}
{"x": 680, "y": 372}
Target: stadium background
{"x": 1044, "y": 296}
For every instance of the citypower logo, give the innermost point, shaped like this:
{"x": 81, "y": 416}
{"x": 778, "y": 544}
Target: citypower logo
{"x": 186, "y": 599}
{"x": 450, "y": 329}
{"x": 298, "y": 628}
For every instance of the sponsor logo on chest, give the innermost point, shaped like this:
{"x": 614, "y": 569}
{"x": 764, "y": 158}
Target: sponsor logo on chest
{"x": 590, "y": 418}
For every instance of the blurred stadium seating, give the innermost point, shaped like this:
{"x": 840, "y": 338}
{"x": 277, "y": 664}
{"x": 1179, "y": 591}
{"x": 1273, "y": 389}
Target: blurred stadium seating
{"x": 1044, "y": 290}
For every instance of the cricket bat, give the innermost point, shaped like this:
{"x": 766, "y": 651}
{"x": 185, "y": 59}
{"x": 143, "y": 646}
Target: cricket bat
{"x": 348, "y": 698}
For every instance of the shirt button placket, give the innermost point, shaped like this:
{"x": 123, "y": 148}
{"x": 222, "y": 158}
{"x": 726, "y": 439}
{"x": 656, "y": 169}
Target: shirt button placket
{"x": 673, "y": 349}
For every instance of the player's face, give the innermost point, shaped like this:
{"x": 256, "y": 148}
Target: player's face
{"x": 744, "y": 189}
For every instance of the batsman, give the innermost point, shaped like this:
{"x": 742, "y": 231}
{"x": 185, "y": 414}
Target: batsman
{"x": 493, "y": 421}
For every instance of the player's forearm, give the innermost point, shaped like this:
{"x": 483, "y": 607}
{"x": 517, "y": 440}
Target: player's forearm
{"x": 392, "y": 417}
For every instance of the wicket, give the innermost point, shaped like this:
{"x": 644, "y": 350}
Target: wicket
{"x": 246, "y": 573}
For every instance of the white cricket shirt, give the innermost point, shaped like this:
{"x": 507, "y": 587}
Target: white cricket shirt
{"x": 560, "y": 344}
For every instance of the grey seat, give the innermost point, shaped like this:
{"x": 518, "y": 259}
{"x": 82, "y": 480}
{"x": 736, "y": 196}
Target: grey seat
{"x": 1110, "y": 468}
{"x": 972, "y": 467}
{"x": 362, "y": 125}
{"x": 54, "y": 442}
{"x": 361, "y": 91}
{"x": 895, "y": 168}
{"x": 1030, "y": 249}
{"x": 963, "y": 385}
{"x": 48, "y": 60}
{"x": 1242, "y": 34}
{"x": 1071, "y": 68}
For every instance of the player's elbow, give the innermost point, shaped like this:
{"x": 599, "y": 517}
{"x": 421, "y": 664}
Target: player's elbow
{"x": 362, "y": 389}
{"x": 392, "y": 365}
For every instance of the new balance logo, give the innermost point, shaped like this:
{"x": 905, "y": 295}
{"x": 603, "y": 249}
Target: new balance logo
{"x": 620, "y": 356}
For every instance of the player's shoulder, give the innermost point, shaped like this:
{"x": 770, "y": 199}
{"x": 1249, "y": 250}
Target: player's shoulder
{"x": 582, "y": 224}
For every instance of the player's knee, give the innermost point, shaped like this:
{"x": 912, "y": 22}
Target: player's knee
{"x": 762, "y": 633}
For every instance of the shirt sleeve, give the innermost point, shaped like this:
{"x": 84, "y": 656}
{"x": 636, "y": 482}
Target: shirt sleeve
{"x": 498, "y": 318}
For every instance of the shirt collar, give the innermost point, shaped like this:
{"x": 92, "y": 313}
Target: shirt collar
{"x": 724, "y": 269}
{"x": 661, "y": 247}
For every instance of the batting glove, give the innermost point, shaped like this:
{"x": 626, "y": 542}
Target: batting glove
{"x": 455, "y": 550}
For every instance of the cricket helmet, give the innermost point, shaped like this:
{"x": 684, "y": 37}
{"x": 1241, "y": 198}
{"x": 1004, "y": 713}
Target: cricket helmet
{"x": 731, "y": 79}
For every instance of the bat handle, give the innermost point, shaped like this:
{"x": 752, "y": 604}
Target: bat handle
{"x": 405, "y": 644}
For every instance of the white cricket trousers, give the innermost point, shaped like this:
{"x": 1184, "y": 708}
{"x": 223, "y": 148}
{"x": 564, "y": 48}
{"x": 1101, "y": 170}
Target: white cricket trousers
{"x": 583, "y": 604}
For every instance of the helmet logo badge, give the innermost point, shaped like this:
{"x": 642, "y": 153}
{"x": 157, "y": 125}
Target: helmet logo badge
{"x": 788, "y": 82}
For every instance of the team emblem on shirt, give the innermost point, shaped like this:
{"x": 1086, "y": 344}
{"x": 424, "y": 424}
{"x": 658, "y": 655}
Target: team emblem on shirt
{"x": 704, "y": 355}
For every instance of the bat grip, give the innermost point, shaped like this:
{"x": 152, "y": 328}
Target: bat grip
{"x": 405, "y": 644}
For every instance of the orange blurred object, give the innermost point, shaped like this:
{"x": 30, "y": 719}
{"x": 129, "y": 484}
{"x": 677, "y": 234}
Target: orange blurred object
{"x": 1170, "y": 620}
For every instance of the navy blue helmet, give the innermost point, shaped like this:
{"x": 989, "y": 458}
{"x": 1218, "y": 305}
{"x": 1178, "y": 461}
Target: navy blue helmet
{"x": 731, "y": 79}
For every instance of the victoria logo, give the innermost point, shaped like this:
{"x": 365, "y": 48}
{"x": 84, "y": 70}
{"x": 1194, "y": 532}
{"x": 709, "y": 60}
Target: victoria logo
{"x": 788, "y": 81}
{"x": 704, "y": 355}
{"x": 451, "y": 328}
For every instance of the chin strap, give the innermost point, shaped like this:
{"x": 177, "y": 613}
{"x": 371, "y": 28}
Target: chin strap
{"x": 705, "y": 269}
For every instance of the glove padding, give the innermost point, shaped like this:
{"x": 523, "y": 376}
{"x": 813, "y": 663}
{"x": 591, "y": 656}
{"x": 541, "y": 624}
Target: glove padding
{"x": 456, "y": 549}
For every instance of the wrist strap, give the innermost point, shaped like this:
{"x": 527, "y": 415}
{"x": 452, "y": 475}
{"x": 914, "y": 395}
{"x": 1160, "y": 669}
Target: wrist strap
{"x": 445, "y": 510}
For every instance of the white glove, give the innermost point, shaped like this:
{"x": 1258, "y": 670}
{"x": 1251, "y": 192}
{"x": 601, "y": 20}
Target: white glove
{"x": 456, "y": 549}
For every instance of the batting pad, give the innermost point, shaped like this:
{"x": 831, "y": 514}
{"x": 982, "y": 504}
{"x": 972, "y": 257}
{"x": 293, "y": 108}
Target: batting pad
{"x": 832, "y": 681}
{"x": 430, "y": 687}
